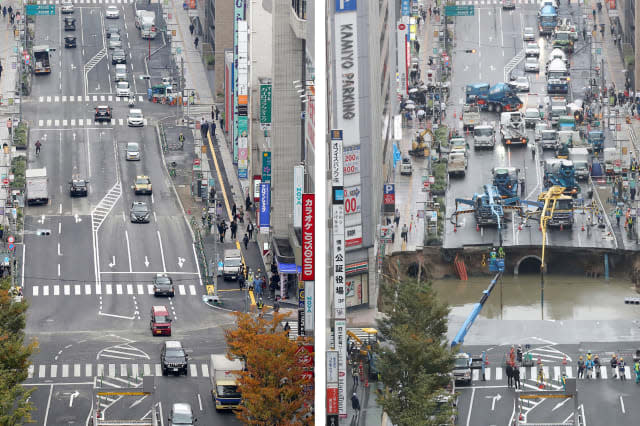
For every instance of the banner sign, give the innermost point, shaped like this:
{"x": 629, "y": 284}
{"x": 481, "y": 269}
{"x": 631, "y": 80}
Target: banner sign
{"x": 339, "y": 262}
{"x": 265, "y": 207}
{"x": 298, "y": 188}
{"x": 352, "y": 196}
{"x": 340, "y": 333}
{"x": 346, "y": 5}
{"x": 265, "y": 106}
{"x": 389, "y": 192}
{"x": 351, "y": 160}
{"x": 308, "y": 230}
{"x": 337, "y": 159}
{"x": 266, "y": 166}
{"x": 308, "y": 305}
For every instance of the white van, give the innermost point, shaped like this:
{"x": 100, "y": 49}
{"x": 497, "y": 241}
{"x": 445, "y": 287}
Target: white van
{"x": 146, "y": 22}
{"x": 121, "y": 72}
{"x": 405, "y": 166}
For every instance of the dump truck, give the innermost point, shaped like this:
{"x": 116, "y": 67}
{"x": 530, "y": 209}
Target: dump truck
{"x": 596, "y": 140}
{"x": 470, "y": 116}
{"x": 457, "y": 163}
{"x": 561, "y": 212}
{"x": 37, "y": 186}
{"x": 549, "y": 139}
{"x": 500, "y": 97}
{"x": 512, "y": 128}
{"x": 42, "y": 63}
{"x": 223, "y": 376}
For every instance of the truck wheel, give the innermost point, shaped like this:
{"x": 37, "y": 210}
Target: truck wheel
{"x": 490, "y": 107}
{"x": 498, "y": 109}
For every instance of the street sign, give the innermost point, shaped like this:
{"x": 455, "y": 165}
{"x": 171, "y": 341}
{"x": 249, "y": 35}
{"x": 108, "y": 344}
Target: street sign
{"x": 265, "y": 106}
{"x": 468, "y": 10}
{"x": 41, "y": 9}
{"x": 11, "y": 247}
{"x": 11, "y": 239}
{"x": 598, "y": 51}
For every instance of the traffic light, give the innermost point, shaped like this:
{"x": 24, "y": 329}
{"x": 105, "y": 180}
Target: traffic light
{"x": 470, "y": 51}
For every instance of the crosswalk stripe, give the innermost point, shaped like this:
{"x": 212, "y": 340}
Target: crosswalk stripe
{"x": 87, "y": 370}
{"x": 86, "y": 98}
{"x": 78, "y": 289}
{"x": 64, "y": 123}
{"x": 42, "y": 371}
{"x": 100, "y": 370}
{"x": 140, "y": 289}
{"x": 487, "y": 374}
{"x": 45, "y": 290}
{"x": 98, "y": 288}
{"x": 112, "y": 370}
{"x": 533, "y": 373}
{"x": 123, "y": 370}
{"x": 41, "y": 99}
{"x": 56, "y": 123}
{"x": 73, "y": 122}
{"x": 545, "y": 371}
{"x": 54, "y": 371}
{"x": 109, "y": 289}
{"x": 627, "y": 372}
{"x": 49, "y": 123}
{"x": 556, "y": 373}
{"x": 150, "y": 288}
{"x": 67, "y": 289}
{"x": 498, "y": 373}
{"x": 569, "y": 372}
{"x": 192, "y": 289}
{"x": 64, "y": 99}
{"x": 158, "y": 370}
{"x": 35, "y": 290}
{"x": 65, "y": 370}
{"x": 205, "y": 370}
{"x": 80, "y": 122}
{"x": 30, "y": 371}
{"x": 76, "y": 370}
{"x": 121, "y": 121}
{"x": 40, "y": 123}
{"x": 146, "y": 368}
{"x": 140, "y": 98}
{"x": 181, "y": 289}
{"x": 134, "y": 370}
{"x": 119, "y": 288}
{"x": 603, "y": 372}
{"x": 129, "y": 288}
{"x": 56, "y": 99}
{"x": 48, "y": 99}
{"x": 87, "y": 289}
{"x": 56, "y": 290}
{"x": 194, "y": 370}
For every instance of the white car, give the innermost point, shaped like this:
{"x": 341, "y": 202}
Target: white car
{"x": 529, "y": 34}
{"x": 123, "y": 89}
{"x": 115, "y": 41}
{"x": 67, "y": 7}
{"x": 521, "y": 84}
{"x": 531, "y": 64}
{"x": 135, "y": 119}
{"x": 508, "y": 4}
{"x": 112, "y": 12}
{"x": 532, "y": 49}
{"x": 133, "y": 151}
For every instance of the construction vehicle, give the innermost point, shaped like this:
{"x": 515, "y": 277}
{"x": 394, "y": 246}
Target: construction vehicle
{"x": 470, "y": 116}
{"x": 500, "y": 97}
{"x": 474, "y": 91}
{"x": 563, "y": 40}
{"x": 512, "y": 128}
{"x": 421, "y": 143}
{"x": 611, "y": 161}
{"x": 458, "y": 144}
{"x": 568, "y": 139}
{"x": 596, "y": 140}
{"x": 549, "y": 139}
{"x": 505, "y": 179}
{"x": 41, "y": 59}
{"x": 547, "y": 20}
{"x": 558, "y": 108}
{"x": 559, "y": 210}
{"x": 457, "y": 163}
{"x": 487, "y": 207}
{"x": 557, "y": 77}
{"x": 580, "y": 158}
{"x": 37, "y": 186}
{"x": 560, "y": 172}
{"x": 484, "y": 136}
{"x": 161, "y": 93}
{"x": 368, "y": 338}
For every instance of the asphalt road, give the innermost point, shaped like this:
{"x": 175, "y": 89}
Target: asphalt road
{"x": 600, "y": 401}
{"x": 89, "y": 282}
{"x": 496, "y": 35}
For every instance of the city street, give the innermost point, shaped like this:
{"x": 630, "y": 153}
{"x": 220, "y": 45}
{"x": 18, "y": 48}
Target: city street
{"x": 496, "y": 36}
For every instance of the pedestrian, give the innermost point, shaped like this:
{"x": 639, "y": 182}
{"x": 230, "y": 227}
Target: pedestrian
{"x": 257, "y": 285}
{"x": 614, "y": 366}
{"x": 636, "y": 369}
{"x": 589, "y": 367}
{"x": 12, "y": 17}
{"x": 355, "y": 405}
{"x": 396, "y": 219}
{"x": 10, "y": 10}
{"x": 245, "y": 240}
{"x": 618, "y": 215}
{"x": 213, "y": 113}
{"x": 223, "y": 230}
{"x": 234, "y": 229}
{"x": 204, "y": 216}
{"x": 233, "y": 210}
{"x": 218, "y": 116}
{"x": 191, "y": 28}
{"x": 522, "y": 187}
{"x": 581, "y": 368}
{"x": 584, "y": 33}
{"x": 248, "y": 203}
{"x": 405, "y": 233}
{"x": 516, "y": 377}
{"x": 621, "y": 369}
{"x": 241, "y": 281}
{"x": 196, "y": 41}
{"x": 632, "y": 189}
{"x": 213, "y": 128}
{"x": 4, "y": 12}
{"x": 519, "y": 354}
{"x": 0, "y": 69}
{"x": 509, "y": 374}
{"x": 250, "y": 229}
{"x": 564, "y": 381}
{"x": 354, "y": 374}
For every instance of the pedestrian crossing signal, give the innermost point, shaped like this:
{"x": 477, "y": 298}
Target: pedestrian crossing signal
{"x": 470, "y": 51}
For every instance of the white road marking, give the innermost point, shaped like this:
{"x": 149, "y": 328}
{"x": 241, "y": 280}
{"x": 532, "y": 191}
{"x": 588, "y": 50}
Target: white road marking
{"x": 56, "y": 290}
{"x": 205, "y": 370}
{"x": 30, "y": 371}
{"x": 109, "y": 289}
{"x": 158, "y": 370}
{"x": 194, "y": 370}
{"x": 100, "y": 369}
{"x": 129, "y": 288}
{"x": 35, "y": 290}
{"x": 112, "y": 370}
{"x": 150, "y": 288}
{"x": 181, "y": 289}
{"x": 499, "y": 373}
{"x": 134, "y": 370}
{"x": 78, "y": 289}
{"x": 42, "y": 371}
{"x": 146, "y": 368}
{"x": 76, "y": 370}
{"x": 54, "y": 370}
{"x": 87, "y": 289}
{"x": 65, "y": 370}
{"x": 192, "y": 289}
{"x": 45, "y": 290}
{"x": 140, "y": 289}
{"x": 119, "y": 288}
{"x": 67, "y": 289}
{"x": 473, "y": 394}
{"x": 87, "y": 370}
{"x": 123, "y": 370}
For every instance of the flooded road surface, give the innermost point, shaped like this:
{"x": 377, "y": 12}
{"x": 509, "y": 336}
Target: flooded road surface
{"x": 565, "y": 298}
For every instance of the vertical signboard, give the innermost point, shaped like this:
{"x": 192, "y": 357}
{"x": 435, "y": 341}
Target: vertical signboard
{"x": 308, "y": 234}
{"x": 405, "y": 7}
{"x": 265, "y": 207}
{"x": 228, "y": 89}
{"x": 332, "y": 387}
{"x": 298, "y": 189}
{"x": 402, "y": 58}
{"x": 337, "y": 171}
{"x": 348, "y": 97}
{"x": 389, "y": 197}
{"x": 310, "y": 118}
{"x": 340, "y": 336}
{"x": 308, "y": 305}
{"x": 266, "y": 166}
{"x": 265, "y": 106}
{"x": 339, "y": 302}
{"x": 241, "y": 148}
{"x": 239, "y": 16}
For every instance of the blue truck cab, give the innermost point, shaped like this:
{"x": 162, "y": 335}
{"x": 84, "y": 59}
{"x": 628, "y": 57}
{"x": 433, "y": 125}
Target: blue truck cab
{"x": 474, "y": 91}
{"x": 596, "y": 140}
{"x": 501, "y": 97}
{"x": 547, "y": 20}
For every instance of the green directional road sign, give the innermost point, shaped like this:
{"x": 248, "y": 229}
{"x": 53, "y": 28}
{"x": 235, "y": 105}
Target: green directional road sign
{"x": 41, "y": 9}
{"x": 468, "y": 10}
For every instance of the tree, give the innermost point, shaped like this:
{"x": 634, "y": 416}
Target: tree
{"x": 415, "y": 362}
{"x": 272, "y": 385}
{"x": 14, "y": 360}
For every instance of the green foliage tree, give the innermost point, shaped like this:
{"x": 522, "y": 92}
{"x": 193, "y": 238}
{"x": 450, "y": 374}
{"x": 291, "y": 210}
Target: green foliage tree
{"x": 14, "y": 360}
{"x": 415, "y": 360}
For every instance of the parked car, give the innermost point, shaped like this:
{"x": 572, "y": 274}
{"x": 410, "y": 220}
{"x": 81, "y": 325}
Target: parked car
{"x": 140, "y": 212}
{"x": 70, "y": 41}
{"x": 532, "y": 49}
{"x": 69, "y": 24}
{"x": 112, "y": 12}
{"x": 103, "y": 113}
{"x": 531, "y": 64}
{"x": 118, "y": 57}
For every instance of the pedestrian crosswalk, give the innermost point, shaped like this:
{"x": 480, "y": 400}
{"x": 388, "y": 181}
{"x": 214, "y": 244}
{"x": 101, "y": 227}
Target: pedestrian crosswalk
{"x": 552, "y": 373}
{"x": 77, "y": 2}
{"x": 89, "y": 98}
{"x": 114, "y": 370}
{"x": 492, "y": 2}
{"x": 105, "y": 289}
{"x": 83, "y": 122}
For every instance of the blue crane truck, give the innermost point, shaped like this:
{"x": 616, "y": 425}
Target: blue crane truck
{"x": 500, "y": 97}
{"x": 505, "y": 179}
{"x": 561, "y": 172}
{"x": 547, "y": 20}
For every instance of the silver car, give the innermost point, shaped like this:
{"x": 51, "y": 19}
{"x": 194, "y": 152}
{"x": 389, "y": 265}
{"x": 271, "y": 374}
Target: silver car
{"x": 532, "y": 49}
{"x": 521, "y": 84}
{"x": 529, "y": 34}
{"x": 531, "y": 64}
{"x": 115, "y": 41}
{"x": 133, "y": 151}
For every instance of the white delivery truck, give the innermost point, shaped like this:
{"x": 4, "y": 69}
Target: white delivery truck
{"x": 484, "y": 136}
{"x": 37, "y": 186}
{"x": 146, "y": 22}
{"x": 580, "y": 158}
{"x": 232, "y": 264}
{"x": 223, "y": 375}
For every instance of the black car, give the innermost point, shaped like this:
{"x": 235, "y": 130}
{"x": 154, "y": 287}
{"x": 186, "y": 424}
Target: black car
{"x": 69, "y": 24}
{"x": 173, "y": 358}
{"x": 118, "y": 57}
{"x": 163, "y": 286}
{"x": 140, "y": 212}
{"x": 78, "y": 188}
{"x": 70, "y": 41}
{"x": 103, "y": 113}
{"x": 112, "y": 29}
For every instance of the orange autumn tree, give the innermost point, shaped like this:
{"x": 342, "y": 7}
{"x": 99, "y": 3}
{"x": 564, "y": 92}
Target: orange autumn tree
{"x": 272, "y": 387}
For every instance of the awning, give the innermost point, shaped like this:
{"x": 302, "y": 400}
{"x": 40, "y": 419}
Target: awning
{"x": 289, "y": 268}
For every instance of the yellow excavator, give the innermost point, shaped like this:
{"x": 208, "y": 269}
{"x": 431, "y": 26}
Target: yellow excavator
{"x": 370, "y": 339}
{"x": 422, "y": 143}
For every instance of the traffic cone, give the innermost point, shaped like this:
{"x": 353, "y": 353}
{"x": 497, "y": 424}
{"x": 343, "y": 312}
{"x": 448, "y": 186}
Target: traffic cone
{"x": 583, "y": 227}
{"x": 455, "y": 228}
{"x": 539, "y": 361}
{"x": 561, "y": 227}
{"x": 477, "y": 228}
{"x": 366, "y": 382}
{"x": 454, "y": 114}
{"x": 520, "y": 227}
{"x": 564, "y": 360}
